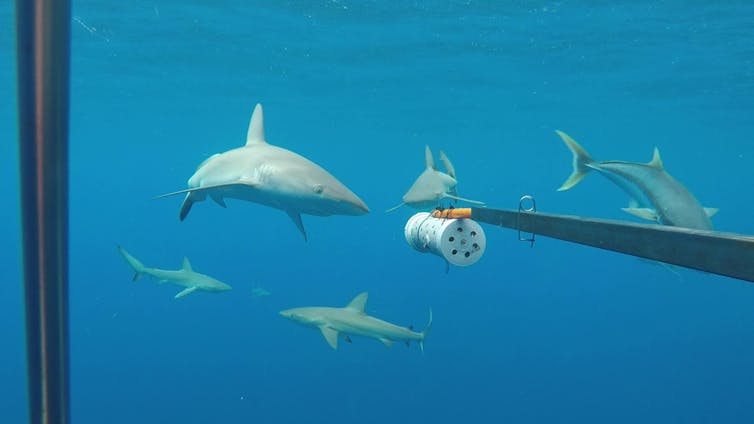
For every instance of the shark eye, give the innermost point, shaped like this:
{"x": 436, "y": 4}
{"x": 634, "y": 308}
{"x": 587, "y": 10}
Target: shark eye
{"x": 319, "y": 188}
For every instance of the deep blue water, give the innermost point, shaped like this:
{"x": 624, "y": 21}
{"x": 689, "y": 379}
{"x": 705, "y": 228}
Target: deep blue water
{"x": 557, "y": 333}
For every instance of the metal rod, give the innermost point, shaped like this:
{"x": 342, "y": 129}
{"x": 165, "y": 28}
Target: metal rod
{"x": 727, "y": 254}
{"x": 43, "y": 54}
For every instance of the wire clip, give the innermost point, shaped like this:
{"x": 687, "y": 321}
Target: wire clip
{"x": 522, "y": 207}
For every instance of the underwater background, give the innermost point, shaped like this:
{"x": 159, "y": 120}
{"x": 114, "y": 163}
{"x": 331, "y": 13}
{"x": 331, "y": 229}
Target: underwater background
{"x": 553, "y": 333}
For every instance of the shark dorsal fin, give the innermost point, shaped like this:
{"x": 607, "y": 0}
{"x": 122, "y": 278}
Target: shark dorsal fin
{"x": 656, "y": 161}
{"x": 447, "y": 164}
{"x": 255, "y": 135}
{"x": 359, "y": 302}
{"x": 186, "y": 265}
{"x": 428, "y": 158}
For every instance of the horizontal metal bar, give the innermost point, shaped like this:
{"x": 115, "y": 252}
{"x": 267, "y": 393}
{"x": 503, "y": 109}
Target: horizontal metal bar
{"x": 727, "y": 254}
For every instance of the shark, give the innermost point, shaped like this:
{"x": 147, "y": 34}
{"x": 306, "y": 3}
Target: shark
{"x": 261, "y": 173}
{"x": 653, "y": 193}
{"x": 353, "y": 320}
{"x": 260, "y": 292}
{"x": 433, "y": 186}
{"x": 184, "y": 277}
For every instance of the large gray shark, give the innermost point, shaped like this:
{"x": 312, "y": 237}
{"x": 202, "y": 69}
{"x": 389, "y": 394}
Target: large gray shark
{"x": 433, "y": 186}
{"x": 653, "y": 193}
{"x": 352, "y": 320}
{"x": 184, "y": 277}
{"x": 261, "y": 173}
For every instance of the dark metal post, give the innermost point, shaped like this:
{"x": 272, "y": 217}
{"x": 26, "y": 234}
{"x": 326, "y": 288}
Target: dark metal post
{"x": 43, "y": 52}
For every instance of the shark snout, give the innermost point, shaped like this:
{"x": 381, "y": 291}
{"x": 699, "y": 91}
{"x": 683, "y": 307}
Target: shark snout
{"x": 221, "y": 287}
{"x": 349, "y": 202}
{"x": 288, "y": 313}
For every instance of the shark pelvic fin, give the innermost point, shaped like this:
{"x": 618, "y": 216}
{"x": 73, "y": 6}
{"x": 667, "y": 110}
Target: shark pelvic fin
{"x": 386, "y": 342}
{"x": 255, "y": 134}
{"x": 186, "y": 205}
{"x": 187, "y": 265}
{"x": 447, "y": 164}
{"x": 581, "y": 161}
{"x": 359, "y": 302}
{"x": 428, "y": 159}
{"x": 656, "y": 161}
{"x": 711, "y": 211}
{"x": 643, "y": 213}
{"x": 185, "y": 292}
{"x": 197, "y": 194}
{"x": 296, "y": 217}
{"x": 330, "y": 335}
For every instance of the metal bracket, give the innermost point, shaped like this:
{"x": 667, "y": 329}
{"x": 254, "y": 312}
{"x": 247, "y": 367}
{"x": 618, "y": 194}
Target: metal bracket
{"x": 521, "y": 208}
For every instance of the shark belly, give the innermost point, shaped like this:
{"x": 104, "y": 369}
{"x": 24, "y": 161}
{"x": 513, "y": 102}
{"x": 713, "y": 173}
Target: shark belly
{"x": 368, "y": 326}
{"x": 673, "y": 203}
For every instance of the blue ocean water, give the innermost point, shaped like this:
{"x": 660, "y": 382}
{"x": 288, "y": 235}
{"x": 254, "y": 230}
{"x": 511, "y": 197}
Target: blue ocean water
{"x": 554, "y": 333}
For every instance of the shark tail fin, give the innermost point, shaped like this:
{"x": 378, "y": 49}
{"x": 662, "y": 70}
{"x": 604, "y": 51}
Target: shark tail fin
{"x": 426, "y": 331}
{"x": 581, "y": 161}
{"x": 137, "y": 266}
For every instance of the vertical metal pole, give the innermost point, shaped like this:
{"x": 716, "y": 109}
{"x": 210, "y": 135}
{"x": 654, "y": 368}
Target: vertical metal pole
{"x": 43, "y": 52}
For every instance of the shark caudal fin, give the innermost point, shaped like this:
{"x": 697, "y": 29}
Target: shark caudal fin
{"x": 426, "y": 331}
{"x": 581, "y": 161}
{"x": 137, "y": 266}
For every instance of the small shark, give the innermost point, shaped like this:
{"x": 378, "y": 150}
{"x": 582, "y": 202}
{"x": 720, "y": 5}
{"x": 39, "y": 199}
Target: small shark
{"x": 654, "y": 194}
{"x": 269, "y": 175}
{"x": 184, "y": 277}
{"x": 259, "y": 292}
{"x": 433, "y": 186}
{"x": 352, "y": 320}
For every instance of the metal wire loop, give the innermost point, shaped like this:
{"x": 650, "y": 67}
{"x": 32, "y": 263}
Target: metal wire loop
{"x": 522, "y": 203}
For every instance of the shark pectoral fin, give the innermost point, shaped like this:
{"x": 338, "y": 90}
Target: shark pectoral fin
{"x": 218, "y": 199}
{"x": 330, "y": 335}
{"x": 296, "y": 217}
{"x": 386, "y": 342}
{"x": 395, "y": 207}
{"x": 711, "y": 211}
{"x": 644, "y": 213}
{"x": 185, "y": 292}
{"x": 447, "y": 164}
{"x": 462, "y": 199}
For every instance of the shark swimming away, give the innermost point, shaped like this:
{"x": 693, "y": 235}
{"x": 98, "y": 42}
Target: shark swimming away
{"x": 433, "y": 186}
{"x": 353, "y": 320}
{"x": 653, "y": 193}
{"x": 184, "y": 277}
{"x": 269, "y": 175}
